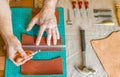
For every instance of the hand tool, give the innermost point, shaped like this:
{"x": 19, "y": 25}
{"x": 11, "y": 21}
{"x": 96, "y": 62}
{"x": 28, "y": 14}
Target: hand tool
{"x": 74, "y": 3}
{"x": 80, "y": 4}
{"x": 106, "y": 22}
{"x": 103, "y": 16}
{"x": 101, "y": 10}
{"x": 18, "y": 58}
{"x": 117, "y": 6}
{"x": 68, "y": 21}
{"x": 83, "y": 69}
{"x": 87, "y": 7}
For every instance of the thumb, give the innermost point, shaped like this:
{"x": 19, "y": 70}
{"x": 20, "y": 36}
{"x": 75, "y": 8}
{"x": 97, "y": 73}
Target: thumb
{"x": 31, "y": 24}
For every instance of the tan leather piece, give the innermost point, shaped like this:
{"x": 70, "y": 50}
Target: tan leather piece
{"x": 108, "y": 51}
{"x": 21, "y": 3}
{"x": 42, "y": 67}
{"x": 30, "y": 40}
{"x": 37, "y": 10}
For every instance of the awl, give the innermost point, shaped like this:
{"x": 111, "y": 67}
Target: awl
{"x": 87, "y": 7}
{"x": 74, "y": 6}
{"x": 80, "y": 4}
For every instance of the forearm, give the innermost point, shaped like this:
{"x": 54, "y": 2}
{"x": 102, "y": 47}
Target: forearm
{"x": 5, "y": 20}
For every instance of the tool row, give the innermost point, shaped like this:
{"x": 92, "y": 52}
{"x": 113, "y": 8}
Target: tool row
{"x": 81, "y": 4}
{"x": 103, "y": 16}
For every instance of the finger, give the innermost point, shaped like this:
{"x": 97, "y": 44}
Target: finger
{"x": 49, "y": 36}
{"x": 54, "y": 37}
{"x": 24, "y": 61}
{"x": 57, "y": 33}
{"x": 12, "y": 54}
{"x": 22, "y": 53}
{"x": 40, "y": 33}
{"x": 31, "y": 24}
{"x": 20, "y": 63}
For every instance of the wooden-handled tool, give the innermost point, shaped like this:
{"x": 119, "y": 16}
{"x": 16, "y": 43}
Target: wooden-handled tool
{"x": 80, "y": 4}
{"x": 74, "y": 4}
{"x": 86, "y": 2}
{"x": 118, "y": 12}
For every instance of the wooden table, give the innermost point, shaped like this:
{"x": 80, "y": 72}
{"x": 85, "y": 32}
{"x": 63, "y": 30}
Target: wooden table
{"x": 92, "y": 32}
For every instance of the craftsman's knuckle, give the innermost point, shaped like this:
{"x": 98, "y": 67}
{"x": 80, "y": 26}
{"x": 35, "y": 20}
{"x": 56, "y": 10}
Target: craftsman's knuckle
{"x": 18, "y": 46}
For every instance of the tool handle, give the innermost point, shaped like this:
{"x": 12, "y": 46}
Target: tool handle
{"x": 80, "y": 4}
{"x": 74, "y": 4}
{"x": 83, "y": 45}
{"x": 86, "y": 4}
{"x": 68, "y": 14}
{"x": 18, "y": 58}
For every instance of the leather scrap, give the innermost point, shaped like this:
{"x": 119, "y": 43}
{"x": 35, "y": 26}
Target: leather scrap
{"x": 42, "y": 67}
{"x": 108, "y": 51}
{"x": 27, "y": 44}
{"x": 2, "y": 63}
{"x": 1, "y": 73}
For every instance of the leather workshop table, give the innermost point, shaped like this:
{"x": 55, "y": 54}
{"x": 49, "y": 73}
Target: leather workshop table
{"x": 21, "y": 17}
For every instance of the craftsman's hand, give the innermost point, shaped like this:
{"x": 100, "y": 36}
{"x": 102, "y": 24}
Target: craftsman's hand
{"x": 46, "y": 19}
{"x": 14, "y": 46}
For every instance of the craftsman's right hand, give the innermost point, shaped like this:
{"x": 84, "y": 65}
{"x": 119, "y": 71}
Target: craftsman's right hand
{"x": 14, "y": 46}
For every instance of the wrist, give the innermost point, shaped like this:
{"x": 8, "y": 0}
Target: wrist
{"x": 8, "y": 38}
{"x": 51, "y": 4}
{"x": 48, "y": 9}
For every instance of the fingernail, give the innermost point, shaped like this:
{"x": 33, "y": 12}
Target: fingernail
{"x": 58, "y": 37}
{"x": 55, "y": 42}
{"x": 37, "y": 44}
{"x": 48, "y": 44}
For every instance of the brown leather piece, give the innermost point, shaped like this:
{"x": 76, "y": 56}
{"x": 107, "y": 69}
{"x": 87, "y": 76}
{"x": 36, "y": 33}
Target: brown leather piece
{"x": 2, "y": 57}
{"x": 30, "y": 40}
{"x": 21, "y": 3}
{"x": 1, "y": 73}
{"x": 108, "y": 51}
{"x": 42, "y": 67}
{"x": 37, "y": 10}
{"x": 2, "y": 62}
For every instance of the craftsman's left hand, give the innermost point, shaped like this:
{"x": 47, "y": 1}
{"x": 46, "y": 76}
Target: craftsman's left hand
{"x": 46, "y": 19}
